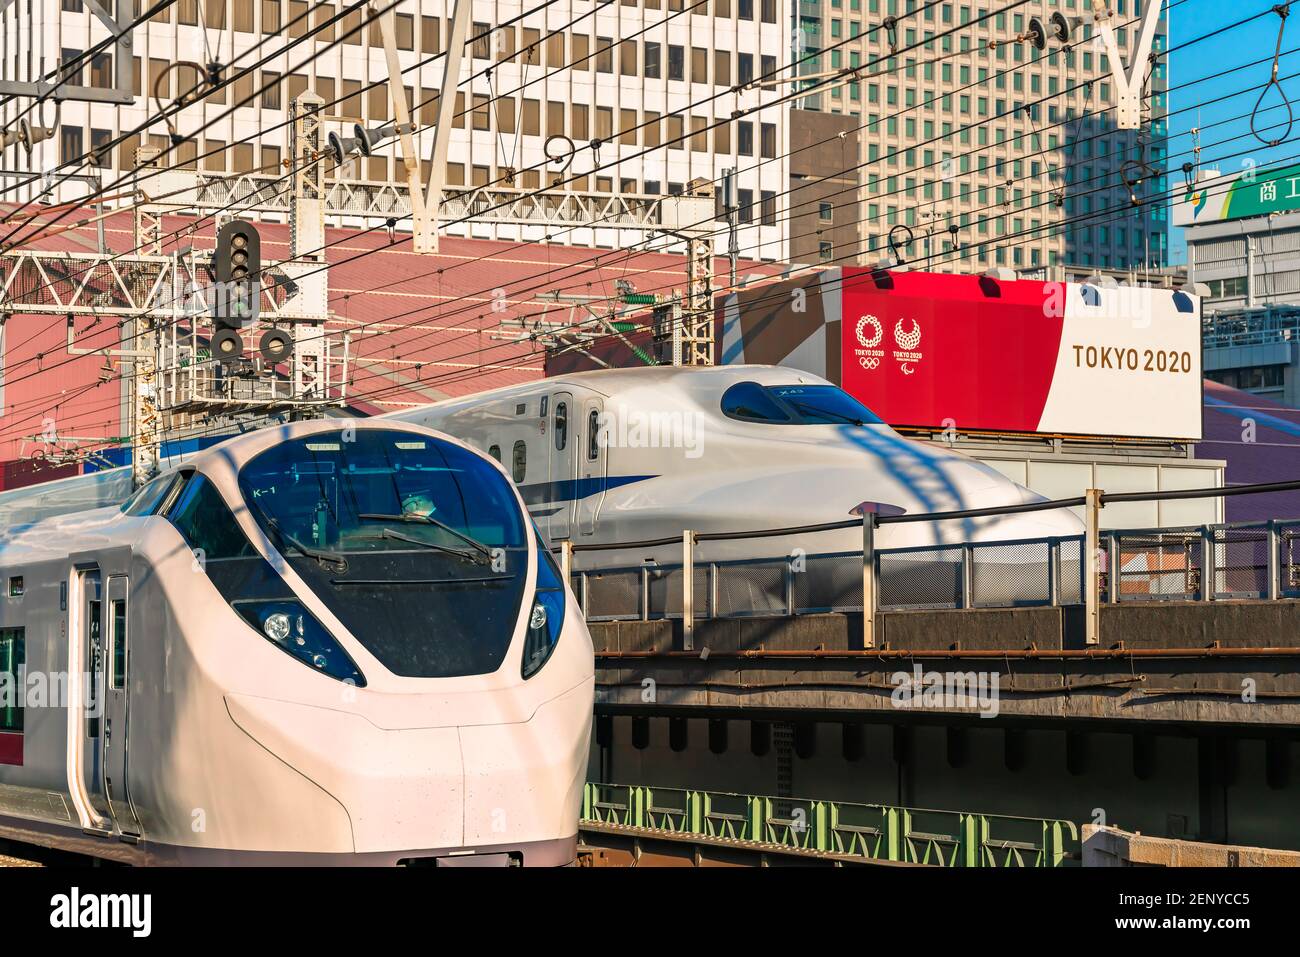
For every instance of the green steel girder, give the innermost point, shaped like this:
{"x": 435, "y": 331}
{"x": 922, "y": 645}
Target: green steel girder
{"x": 871, "y": 831}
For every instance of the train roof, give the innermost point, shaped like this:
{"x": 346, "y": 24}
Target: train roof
{"x": 613, "y": 382}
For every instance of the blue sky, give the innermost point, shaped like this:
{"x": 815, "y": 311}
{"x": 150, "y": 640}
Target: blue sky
{"x": 1226, "y": 139}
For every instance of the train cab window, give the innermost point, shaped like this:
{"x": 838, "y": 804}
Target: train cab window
{"x": 751, "y": 402}
{"x": 117, "y": 680}
{"x": 593, "y": 435}
{"x": 150, "y": 496}
{"x": 823, "y": 405}
{"x": 12, "y": 650}
{"x": 561, "y": 425}
{"x": 795, "y": 405}
{"x": 206, "y": 523}
{"x": 519, "y": 461}
{"x": 495, "y": 452}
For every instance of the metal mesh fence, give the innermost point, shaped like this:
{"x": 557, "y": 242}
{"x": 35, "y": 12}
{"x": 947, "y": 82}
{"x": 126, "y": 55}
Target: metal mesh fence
{"x": 665, "y": 591}
{"x": 829, "y": 583}
{"x": 921, "y": 578}
{"x": 1289, "y": 561}
{"x": 1009, "y": 575}
{"x": 1162, "y": 565}
{"x": 613, "y": 594}
{"x": 753, "y": 588}
{"x": 1135, "y": 565}
{"x": 1241, "y": 562}
{"x": 1069, "y": 566}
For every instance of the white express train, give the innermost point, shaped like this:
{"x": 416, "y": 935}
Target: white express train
{"x": 632, "y": 455}
{"x": 316, "y": 643}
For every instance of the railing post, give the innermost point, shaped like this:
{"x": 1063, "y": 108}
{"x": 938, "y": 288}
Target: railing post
{"x": 1114, "y": 564}
{"x": 1274, "y": 563}
{"x": 566, "y": 561}
{"x": 1054, "y": 572}
{"x": 645, "y": 593}
{"x": 869, "y": 596}
{"x": 688, "y": 591}
{"x": 1092, "y": 579}
{"x": 967, "y": 576}
{"x": 1207, "y": 563}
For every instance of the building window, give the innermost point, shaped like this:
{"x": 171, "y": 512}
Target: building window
{"x": 676, "y": 62}
{"x": 652, "y": 60}
{"x": 101, "y": 70}
{"x": 72, "y": 67}
{"x": 767, "y": 210}
{"x": 745, "y": 138}
{"x": 826, "y": 251}
{"x": 745, "y": 205}
{"x": 745, "y": 69}
{"x": 481, "y": 41}
{"x": 769, "y": 140}
{"x": 825, "y": 212}
{"x": 100, "y": 153}
{"x": 604, "y": 55}
{"x": 270, "y": 90}
{"x": 70, "y": 144}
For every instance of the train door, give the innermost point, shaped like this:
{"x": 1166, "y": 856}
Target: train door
{"x": 92, "y": 697}
{"x": 593, "y": 467}
{"x": 117, "y": 707}
{"x": 563, "y": 461}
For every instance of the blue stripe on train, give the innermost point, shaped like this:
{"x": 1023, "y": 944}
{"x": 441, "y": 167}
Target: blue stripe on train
{"x": 571, "y": 490}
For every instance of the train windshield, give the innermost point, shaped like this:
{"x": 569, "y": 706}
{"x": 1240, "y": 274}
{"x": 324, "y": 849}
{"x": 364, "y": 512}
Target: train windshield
{"x": 795, "y": 405}
{"x": 416, "y": 544}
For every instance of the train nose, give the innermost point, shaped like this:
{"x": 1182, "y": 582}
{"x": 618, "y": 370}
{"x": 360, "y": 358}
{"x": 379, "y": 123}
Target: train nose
{"x": 506, "y": 784}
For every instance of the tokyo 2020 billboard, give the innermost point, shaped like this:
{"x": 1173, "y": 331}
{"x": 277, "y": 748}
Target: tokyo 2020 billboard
{"x": 977, "y": 354}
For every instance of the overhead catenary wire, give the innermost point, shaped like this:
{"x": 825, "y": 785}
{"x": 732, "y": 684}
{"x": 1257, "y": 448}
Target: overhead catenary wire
{"x": 1097, "y": 217}
{"x": 805, "y": 91}
{"x": 1119, "y": 213}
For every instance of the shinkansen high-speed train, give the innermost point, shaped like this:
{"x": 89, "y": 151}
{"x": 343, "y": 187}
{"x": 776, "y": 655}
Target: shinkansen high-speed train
{"x": 627, "y": 455}
{"x": 309, "y": 644}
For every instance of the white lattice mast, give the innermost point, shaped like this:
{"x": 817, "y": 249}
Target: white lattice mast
{"x": 306, "y": 248}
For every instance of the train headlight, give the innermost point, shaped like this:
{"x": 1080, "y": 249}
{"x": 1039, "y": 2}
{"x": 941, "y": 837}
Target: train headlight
{"x": 293, "y": 629}
{"x": 547, "y": 616}
{"x": 277, "y": 626}
{"x": 537, "y": 620}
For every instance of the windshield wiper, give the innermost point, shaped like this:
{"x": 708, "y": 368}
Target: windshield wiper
{"x": 469, "y": 540}
{"x": 472, "y": 557}
{"x": 813, "y": 410}
{"x": 323, "y": 556}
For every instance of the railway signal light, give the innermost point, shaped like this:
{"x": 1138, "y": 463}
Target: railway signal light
{"x": 237, "y": 265}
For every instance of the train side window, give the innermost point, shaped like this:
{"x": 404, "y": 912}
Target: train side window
{"x": 118, "y": 614}
{"x": 206, "y": 523}
{"x": 519, "y": 461}
{"x": 593, "y": 435}
{"x": 561, "y": 425}
{"x": 495, "y": 452}
{"x": 750, "y": 401}
{"x": 12, "y": 651}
